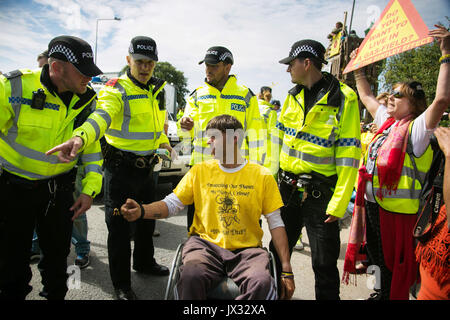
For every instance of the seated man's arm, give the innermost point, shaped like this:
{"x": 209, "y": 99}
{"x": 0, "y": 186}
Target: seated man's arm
{"x": 280, "y": 241}
{"x": 171, "y": 205}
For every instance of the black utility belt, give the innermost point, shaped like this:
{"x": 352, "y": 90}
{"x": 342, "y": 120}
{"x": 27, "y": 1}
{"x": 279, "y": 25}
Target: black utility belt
{"x": 313, "y": 183}
{"x": 65, "y": 179}
{"x": 118, "y": 157}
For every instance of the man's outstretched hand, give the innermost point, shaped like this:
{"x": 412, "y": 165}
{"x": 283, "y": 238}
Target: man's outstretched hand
{"x": 67, "y": 150}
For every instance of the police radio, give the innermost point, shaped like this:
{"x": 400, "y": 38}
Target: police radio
{"x": 38, "y": 99}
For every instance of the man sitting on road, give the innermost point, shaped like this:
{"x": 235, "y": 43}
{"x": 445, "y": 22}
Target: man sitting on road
{"x": 225, "y": 236}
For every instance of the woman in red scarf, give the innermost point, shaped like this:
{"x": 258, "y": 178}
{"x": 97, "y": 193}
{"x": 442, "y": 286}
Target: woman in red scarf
{"x": 392, "y": 174}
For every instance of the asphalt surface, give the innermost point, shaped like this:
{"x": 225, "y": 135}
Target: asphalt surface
{"x": 96, "y": 284}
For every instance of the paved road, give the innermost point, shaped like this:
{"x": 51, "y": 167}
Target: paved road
{"x": 96, "y": 283}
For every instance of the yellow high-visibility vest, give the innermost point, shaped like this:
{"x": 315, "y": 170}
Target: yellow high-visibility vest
{"x": 406, "y": 198}
{"x": 269, "y": 116}
{"x": 206, "y": 102}
{"x": 27, "y": 133}
{"x": 326, "y": 140}
{"x": 130, "y": 117}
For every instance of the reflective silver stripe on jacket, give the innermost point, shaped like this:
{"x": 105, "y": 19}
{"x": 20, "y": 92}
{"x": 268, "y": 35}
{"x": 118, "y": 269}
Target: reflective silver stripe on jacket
{"x": 10, "y": 138}
{"x": 16, "y": 91}
{"x": 91, "y": 157}
{"x": 102, "y": 113}
{"x": 134, "y": 135}
{"x": 93, "y": 168}
{"x": 307, "y": 157}
{"x": 400, "y": 193}
{"x": 30, "y": 153}
{"x": 125, "y": 133}
{"x": 341, "y": 162}
{"x": 246, "y": 99}
{"x": 347, "y": 162}
{"x": 13, "y": 169}
{"x": 410, "y": 173}
{"x": 276, "y": 140}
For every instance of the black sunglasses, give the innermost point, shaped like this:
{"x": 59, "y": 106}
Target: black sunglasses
{"x": 396, "y": 93}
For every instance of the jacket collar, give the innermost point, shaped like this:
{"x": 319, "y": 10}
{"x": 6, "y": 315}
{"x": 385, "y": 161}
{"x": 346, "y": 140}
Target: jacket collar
{"x": 155, "y": 82}
{"x": 334, "y": 89}
{"x": 66, "y": 97}
{"x": 231, "y": 80}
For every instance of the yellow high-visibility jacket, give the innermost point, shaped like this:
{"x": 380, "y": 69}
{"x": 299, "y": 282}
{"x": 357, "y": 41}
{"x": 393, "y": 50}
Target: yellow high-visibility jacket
{"x": 131, "y": 118}
{"x": 326, "y": 140}
{"x": 269, "y": 116}
{"x": 406, "y": 198}
{"x": 27, "y": 133}
{"x": 206, "y": 102}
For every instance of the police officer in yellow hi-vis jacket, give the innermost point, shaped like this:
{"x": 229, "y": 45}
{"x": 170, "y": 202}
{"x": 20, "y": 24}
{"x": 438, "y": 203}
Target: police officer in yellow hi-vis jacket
{"x": 221, "y": 94}
{"x": 38, "y": 109}
{"x": 269, "y": 116}
{"x": 131, "y": 115}
{"x": 319, "y": 142}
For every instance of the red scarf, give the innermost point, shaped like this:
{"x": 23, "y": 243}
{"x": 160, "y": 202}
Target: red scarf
{"x": 392, "y": 154}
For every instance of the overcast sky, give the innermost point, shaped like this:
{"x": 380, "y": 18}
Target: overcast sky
{"x": 258, "y": 32}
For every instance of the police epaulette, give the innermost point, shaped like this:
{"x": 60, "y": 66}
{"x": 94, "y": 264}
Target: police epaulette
{"x": 251, "y": 92}
{"x": 12, "y": 74}
{"x": 190, "y": 94}
{"x": 112, "y": 82}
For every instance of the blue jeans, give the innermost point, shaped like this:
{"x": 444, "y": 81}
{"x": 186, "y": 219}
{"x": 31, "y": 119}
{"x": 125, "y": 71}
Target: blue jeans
{"x": 80, "y": 225}
{"x": 79, "y": 236}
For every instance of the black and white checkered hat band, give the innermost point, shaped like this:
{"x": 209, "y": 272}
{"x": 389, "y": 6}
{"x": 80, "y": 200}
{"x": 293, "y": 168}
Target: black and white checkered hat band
{"x": 131, "y": 50}
{"x": 304, "y": 48}
{"x": 226, "y": 55}
{"x": 65, "y": 51}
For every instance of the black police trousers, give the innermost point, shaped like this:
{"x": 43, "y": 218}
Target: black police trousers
{"x": 122, "y": 182}
{"x": 24, "y": 207}
{"x": 324, "y": 239}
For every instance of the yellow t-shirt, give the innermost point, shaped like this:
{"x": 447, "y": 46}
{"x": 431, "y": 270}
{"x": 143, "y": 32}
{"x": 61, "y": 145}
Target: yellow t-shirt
{"x": 228, "y": 206}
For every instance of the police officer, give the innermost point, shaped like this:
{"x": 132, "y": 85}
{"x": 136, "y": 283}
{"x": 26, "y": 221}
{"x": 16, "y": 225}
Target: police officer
{"x": 131, "y": 115}
{"x": 319, "y": 141}
{"x": 269, "y": 116}
{"x": 38, "y": 109}
{"x": 42, "y": 58}
{"x": 221, "y": 94}
{"x": 264, "y": 96}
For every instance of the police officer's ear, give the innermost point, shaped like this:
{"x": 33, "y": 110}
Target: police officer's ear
{"x": 128, "y": 60}
{"x": 56, "y": 66}
{"x": 227, "y": 67}
{"x": 307, "y": 63}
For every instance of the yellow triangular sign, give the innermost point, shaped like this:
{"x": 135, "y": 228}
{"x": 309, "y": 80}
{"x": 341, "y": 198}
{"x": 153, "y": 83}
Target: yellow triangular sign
{"x": 399, "y": 28}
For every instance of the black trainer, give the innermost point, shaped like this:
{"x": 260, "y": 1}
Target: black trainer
{"x": 82, "y": 262}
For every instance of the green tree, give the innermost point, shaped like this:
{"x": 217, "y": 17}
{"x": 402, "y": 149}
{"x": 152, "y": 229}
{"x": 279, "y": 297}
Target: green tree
{"x": 167, "y": 72}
